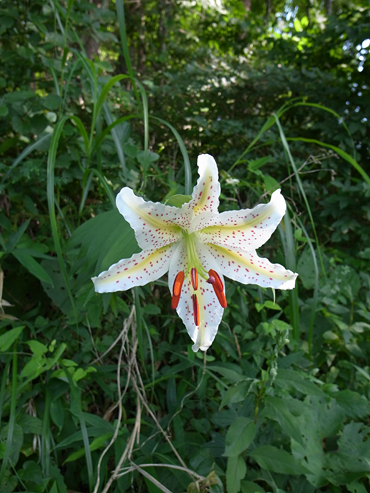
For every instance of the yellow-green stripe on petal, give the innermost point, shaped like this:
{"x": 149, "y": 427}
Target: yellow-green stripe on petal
{"x": 141, "y": 268}
{"x": 249, "y": 268}
{"x": 247, "y": 229}
{"x": 207, "y": 190}
{"x": 155, "y": 224}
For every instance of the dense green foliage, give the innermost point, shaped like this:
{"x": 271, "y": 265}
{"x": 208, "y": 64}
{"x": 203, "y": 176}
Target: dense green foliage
{"x": 91, "y": 99}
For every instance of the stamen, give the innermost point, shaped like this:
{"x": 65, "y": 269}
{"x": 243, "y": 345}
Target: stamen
{"x": 194, "y": 278}
{"x": 195, "y": 309}
{"x": 220, "y": 296}
{"x": 218, "y": 287}
{"x": 176, "y": 292}
{"x": 217, "y": 280}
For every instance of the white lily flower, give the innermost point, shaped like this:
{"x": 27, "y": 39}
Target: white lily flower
{"x": 197, "y": 245}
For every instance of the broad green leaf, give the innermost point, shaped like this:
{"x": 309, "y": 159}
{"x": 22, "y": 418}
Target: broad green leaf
{"x": 277, "y": 460}
{"x": 178, "y": 200}
{"x": 235, "y": 472}
{"x": 235, "y": 394}
{"x": 351, "y": 460}
{"x": 356, "y": 487}
{"x": 250, "y": 487}
{"x": 320, "y": 419}
{"x": 95, "y": 445}
{"x": 290, "y": 379}
{"x": 57, "y": 291}
{"x": 30, "y": 424}
{"x": 31, "y": 472}
{"x": 355, "y": 406}
{"x": 258, "y": 163}
{"x": 37, "y": 347}
{"x": 267, "y": 304}
{"x": 16, "y": 236}
{"x": 32, "y": 266}
{"x": 239, "y": 436}
{"x": 277, "y": 409}
{"x": 104, "y": 240}
{"x": 7, "y": 339}
{"x": 229, "y": 374}
{"x": 16, "y": 441}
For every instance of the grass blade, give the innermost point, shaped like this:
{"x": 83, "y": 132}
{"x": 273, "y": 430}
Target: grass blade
{"x": 316, "y": 288}
{"x": 184, "y": 152}
{"x": 290, "y": 259}
{"x": 50, "y": 197}
{"x": 340, "y": 153}
{"x": 11, "y": 423}
{"x": 126, "y": 54}
{"x": 300, "y": 186}
{"x": 85, "y": 436}
{"x": 116, "y": 138}
{"x": 111, "y": 126}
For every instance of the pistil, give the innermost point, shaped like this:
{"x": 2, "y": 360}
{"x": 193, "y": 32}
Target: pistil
{"x": 194, "y": 278}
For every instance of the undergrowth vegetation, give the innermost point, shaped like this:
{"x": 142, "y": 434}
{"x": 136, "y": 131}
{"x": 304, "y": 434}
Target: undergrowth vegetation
{"x": 103, "y": 392}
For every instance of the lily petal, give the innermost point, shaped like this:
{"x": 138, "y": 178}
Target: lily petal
{"x": 210, "y": 310}
{"x": 141, "y": 268}
{"x": 155, "y": 224}
{"x": 206, "y": 192}
{"x": 247, "y": 229}
{"x": 249, "y": 268}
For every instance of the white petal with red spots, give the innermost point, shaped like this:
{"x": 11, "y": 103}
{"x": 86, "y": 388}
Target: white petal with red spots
{"x": 247, "y": 229}
{"x": 141, "y": 268}
{"x": 249, "y": 268}
{"x": 155, "y": 224}
{"x": 206, "y": 192}
{"x": 210, "y": 310}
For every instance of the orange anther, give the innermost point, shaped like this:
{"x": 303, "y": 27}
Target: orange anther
{"x": 217, "y": 283}
{"x": 194, "y": 278}
{"x": 220, "y": 296}
{"x": 195, "y": 309}
{"x": 176, "y": 292}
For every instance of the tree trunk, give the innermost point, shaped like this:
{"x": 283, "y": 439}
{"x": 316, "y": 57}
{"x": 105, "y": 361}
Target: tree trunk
{"x": 328, "y": 6}
{"x": 268, "y": 8}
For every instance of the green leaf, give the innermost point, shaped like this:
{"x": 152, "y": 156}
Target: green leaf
{"x": 258, "y": 163}
{"x": 267, "y": 304}
{"x": 290, "y": 379}
{"x": 95, "y": 445}
{"x": 145, "y": 158}
{"x": 7, "y": 339}
{"x": 277, "y": 409}
{"x": 230, "y": 375}
{"x": 52, "y": 101}
{"x": 355, "y": 406}
{"x": 178, "y": 200}
{"x": 235, "y": 472}
{"x": 277, "y": 460}
{"x": 239, "y": 436}
{"x": 16, "y": 236}
{"x": 30, "y": 424}
{"x": 104, "y": 240}
{"x": 3, "y": 110}
{"x": 37, "y": 347}
{"x": 16, "y": 441}
{"x": 250, "y": 487}
{"x": 235, "y": 394}
{"x": 32, "y": 266}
